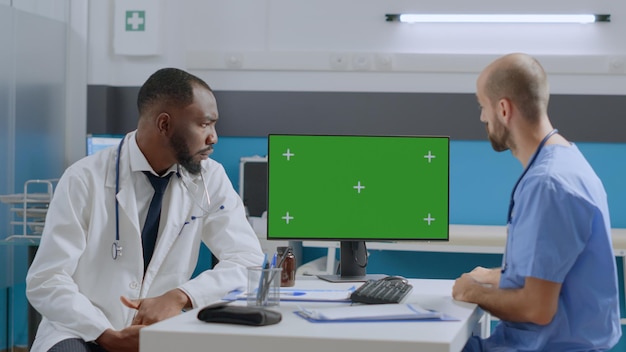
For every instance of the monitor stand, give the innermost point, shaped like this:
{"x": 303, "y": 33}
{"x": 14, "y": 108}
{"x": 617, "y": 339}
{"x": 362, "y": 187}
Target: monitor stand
{"x": 351, "y": 268}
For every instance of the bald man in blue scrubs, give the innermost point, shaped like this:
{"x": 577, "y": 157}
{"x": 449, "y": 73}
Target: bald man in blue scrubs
{"x": 557, "y": 288}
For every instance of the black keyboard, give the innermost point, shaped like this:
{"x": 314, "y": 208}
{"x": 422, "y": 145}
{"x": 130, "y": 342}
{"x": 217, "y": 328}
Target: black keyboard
{"x": 390, "y": 289}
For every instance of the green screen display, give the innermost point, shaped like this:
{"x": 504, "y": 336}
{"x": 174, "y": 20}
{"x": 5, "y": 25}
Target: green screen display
{"x": 358, "y": 187}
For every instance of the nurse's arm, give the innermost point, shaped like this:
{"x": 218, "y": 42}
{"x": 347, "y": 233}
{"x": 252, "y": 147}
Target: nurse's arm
{"x": 536, "y": 302}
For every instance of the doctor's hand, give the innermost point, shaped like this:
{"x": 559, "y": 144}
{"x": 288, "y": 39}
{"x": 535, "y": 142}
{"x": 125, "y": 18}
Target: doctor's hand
{"x": 126, "y": 340}
{"x": 155, "y": 309}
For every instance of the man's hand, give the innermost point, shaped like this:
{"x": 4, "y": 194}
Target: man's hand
{"x": 463, "y": 286}
{"x": 155, "y": 309}
{"x": 126, "y": 340}
{"x": 486, "y": 276}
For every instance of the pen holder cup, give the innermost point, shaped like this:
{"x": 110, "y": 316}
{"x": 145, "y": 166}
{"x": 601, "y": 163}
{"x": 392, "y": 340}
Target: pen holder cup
{"x": 263, "y": 287}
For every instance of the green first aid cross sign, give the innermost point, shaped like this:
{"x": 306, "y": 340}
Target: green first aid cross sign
{"x": 135, "y": 21}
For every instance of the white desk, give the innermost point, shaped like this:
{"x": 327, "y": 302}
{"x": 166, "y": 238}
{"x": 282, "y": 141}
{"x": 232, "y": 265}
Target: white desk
{"x": 293, "y": 333}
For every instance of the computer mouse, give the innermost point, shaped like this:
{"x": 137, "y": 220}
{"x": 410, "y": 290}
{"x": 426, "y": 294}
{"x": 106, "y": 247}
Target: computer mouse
{"x": 395, "y": 277}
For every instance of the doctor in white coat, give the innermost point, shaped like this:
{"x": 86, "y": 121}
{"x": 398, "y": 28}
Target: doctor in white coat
{"x": 88, "y": 279}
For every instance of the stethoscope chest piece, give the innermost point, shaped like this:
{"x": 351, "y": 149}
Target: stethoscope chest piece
{"x": 116, "y": 250}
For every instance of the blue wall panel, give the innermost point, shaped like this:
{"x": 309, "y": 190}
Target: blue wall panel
{"x": 481, "y": 180}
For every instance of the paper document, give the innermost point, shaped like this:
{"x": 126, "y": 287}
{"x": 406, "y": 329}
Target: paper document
{"x": 295, "y": 294}
{"x": 372, "y": 312}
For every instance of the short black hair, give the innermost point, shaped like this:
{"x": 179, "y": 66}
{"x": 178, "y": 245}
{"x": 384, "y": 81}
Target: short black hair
{"x": 168, "y": 86}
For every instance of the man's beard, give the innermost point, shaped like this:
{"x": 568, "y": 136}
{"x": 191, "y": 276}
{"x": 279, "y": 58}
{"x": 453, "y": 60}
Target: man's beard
{"x": 183, "y": 156}
{"x": 500, "y": 137}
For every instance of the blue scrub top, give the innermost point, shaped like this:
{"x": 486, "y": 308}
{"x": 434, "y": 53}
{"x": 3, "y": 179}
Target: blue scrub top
{"x": 560, "y": 231}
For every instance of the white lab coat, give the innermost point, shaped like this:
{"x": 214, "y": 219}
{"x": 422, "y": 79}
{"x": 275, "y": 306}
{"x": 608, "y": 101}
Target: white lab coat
{"x": 75, "y": 283}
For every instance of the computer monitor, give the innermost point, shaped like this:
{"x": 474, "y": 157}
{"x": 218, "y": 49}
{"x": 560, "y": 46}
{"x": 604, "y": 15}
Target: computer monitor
{"x": 355, "y": 189}
{"x": 253, "y": 184}
{"x": 97, "y": 142}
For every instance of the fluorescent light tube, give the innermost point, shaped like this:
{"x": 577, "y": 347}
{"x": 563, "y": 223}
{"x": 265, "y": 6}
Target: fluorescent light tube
{"x": 525, "y": 18}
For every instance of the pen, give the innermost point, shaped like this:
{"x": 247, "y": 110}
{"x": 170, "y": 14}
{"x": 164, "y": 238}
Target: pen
{"x": 260, "y": 289}
{"x": 294, "y": 293}
{"x": 266, "y": 283}
{"x": 270, "y": 276}
{"x": 275, "y": 265}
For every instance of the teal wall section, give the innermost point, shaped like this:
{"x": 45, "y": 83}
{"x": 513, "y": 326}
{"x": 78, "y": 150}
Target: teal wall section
{"x": 480, "y": 179}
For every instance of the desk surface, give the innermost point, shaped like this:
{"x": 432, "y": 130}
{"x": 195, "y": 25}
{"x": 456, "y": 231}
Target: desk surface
{"x": 186, "y": 332}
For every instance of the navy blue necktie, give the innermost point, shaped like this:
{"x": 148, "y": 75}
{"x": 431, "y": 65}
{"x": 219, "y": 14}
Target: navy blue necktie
{"x": 151, "y": 226}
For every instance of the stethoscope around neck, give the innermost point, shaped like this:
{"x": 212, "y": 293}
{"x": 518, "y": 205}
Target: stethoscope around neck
{"x": 116, "y": 248}
{"x": 512, "y": 202}
{"x": 532, "y": 161}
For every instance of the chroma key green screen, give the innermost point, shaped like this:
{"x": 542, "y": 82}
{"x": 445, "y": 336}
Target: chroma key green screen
{"x": 358, "y": 187}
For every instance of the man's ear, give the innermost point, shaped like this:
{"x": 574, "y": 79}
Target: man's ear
{"x": 163, "y": 123}
{"x": 504, "y": 110}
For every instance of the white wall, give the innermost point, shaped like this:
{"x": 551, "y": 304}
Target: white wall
{"x": 332, "y": 45}
{"x": 53, "y": 9}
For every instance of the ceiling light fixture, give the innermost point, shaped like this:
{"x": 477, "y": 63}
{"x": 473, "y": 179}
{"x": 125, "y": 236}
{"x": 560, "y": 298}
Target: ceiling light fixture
{"x": 493, "y": 18}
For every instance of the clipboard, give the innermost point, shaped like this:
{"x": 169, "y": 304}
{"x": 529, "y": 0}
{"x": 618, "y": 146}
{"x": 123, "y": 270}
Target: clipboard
{"x": 372, "y": 313}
